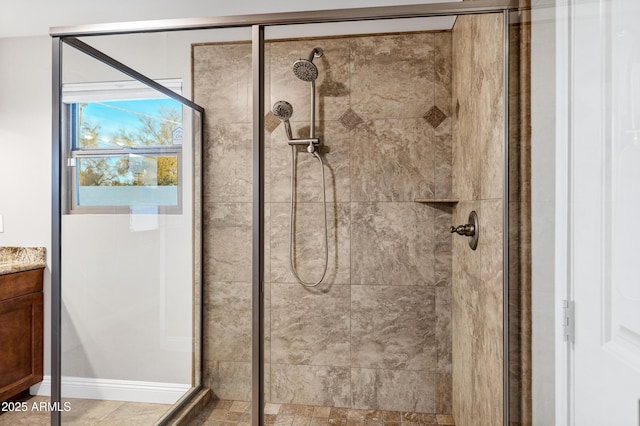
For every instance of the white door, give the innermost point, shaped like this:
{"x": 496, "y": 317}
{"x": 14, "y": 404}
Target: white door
{"x": 604, "y": 216}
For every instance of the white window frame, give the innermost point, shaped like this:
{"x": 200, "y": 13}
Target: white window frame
{"x": 74, "y": 93}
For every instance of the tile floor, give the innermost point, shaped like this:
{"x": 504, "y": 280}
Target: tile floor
{"x": 237, "y": 413}
{"x": 86, "y": 412}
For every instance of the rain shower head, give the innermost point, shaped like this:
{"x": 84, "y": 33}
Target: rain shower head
{"x": 283, "y": 112}
{"x": 304, "y": 69}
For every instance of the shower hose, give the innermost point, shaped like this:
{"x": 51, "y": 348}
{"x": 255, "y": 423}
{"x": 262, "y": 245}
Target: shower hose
{"x": 292, "y": 221}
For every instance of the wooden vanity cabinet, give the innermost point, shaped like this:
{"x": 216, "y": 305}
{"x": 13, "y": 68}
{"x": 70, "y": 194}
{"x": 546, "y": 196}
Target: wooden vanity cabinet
{"x": 21, "y": 322}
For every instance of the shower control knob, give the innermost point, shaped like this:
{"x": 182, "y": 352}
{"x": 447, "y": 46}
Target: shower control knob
{"x": 469, "y": 230}
{"x": 466, "y": 230}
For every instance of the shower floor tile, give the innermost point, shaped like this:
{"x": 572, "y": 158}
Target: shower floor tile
{"x": 236, "y": 413}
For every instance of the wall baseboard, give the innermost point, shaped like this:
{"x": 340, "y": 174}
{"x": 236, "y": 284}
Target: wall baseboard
{"x": 114, "y": 390}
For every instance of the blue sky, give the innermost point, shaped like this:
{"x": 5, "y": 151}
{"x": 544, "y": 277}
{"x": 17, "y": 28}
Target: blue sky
{"x": 115, "y": 115}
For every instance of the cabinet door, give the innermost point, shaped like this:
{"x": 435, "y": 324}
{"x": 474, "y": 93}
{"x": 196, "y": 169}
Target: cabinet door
{"x": 21, "y": 347}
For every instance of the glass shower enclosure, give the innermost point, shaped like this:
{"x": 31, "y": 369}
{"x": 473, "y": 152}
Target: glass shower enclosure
{"x": 128, "y": 287}
{"x": 173, "y": 250}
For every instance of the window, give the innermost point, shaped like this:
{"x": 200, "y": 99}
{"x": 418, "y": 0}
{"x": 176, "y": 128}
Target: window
{"x": 125, "y": 148}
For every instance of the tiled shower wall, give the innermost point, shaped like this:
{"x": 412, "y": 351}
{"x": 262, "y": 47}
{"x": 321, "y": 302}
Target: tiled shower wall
{"x": 477, "y": 180}
{"x": 376, "y": 333}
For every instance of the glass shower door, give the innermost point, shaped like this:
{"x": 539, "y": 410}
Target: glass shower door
{"x": 130, "y": 269}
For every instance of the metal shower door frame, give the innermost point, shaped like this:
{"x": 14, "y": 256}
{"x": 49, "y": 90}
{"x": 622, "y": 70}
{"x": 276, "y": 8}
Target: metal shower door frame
{"x": 259, "y": 22}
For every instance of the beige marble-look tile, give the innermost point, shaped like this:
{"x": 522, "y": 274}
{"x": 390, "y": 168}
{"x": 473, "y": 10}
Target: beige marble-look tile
{"x": 383, "y": 67}
{"x": 319, "y": 421}
{"x": 332, "y": 84}
{"x": 402, "y": 390}
{"x": 310, "y": 385}
{"x": 230, "y": 380}
{"x": 240, "y": 406}
{"x": 90, "y": 411}
{"x": 322, "y": 412}
{"x": 310, "y": 327}
{"x": 466, "y": 146}
{"x": 392, "y": 416}
{"x": 444, "y": 392}
{"x": 443, "y": 220}
{"x": 479, "y": 126}
{"x": 305, "y": 410}
{"x": 32, "y": 416}
{"x": 134, "y": 413}
{"x": 443, "y": 269}
{"x": 227, "y": 157}
{"x": 466, "y": 266}
{"x": 392, "y": 244}
{"x": 490, "y": 105}
{"x": 288, "y": 409}
{"x": 419, "y": 418}
{"x": 267, "y": 380}
{"x": 309, "y": 243}
{"x": 443, "y": 330}
{"x": 443, "y": 160}
{"x": 222, "y": 404}
{"x": 339, "y": 413}
{"x": 218, "y": 414}
{"x": 491, "y": 271}
{"x": 284, "y": 420}
{"x": 223, "y": 83}
{"x": 466, "y": 154}
{"x": 335, "y": 152}
{"x": 267, "y": 253}
{"x": 227, "y": 319}
{"x": 301, "y": 421}
{"x": 445, "y": 419}
{"x": 477, "y": 319}
{"x": 334, "y": 91}
{"x": 30, "y": 419}
{"x": 392, "y": 160}
{"x": 488, "y": 349}
{"x": 227, "y": 242}
{"x": 443, "y": 71}
{"x": 393, "y": 327}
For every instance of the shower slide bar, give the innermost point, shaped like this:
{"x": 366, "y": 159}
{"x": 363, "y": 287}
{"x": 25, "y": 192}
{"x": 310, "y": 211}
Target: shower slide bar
{"x": 314, "y": 141}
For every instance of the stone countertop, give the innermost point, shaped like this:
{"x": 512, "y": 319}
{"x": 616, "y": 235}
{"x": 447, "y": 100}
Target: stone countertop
{"x": 19, "y": 259}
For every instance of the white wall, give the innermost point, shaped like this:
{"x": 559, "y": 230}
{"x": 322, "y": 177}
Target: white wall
{"x": 25, "y": 149}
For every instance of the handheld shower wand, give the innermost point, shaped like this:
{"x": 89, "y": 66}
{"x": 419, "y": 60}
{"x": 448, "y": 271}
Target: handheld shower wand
{"x": 283, "y": 111}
